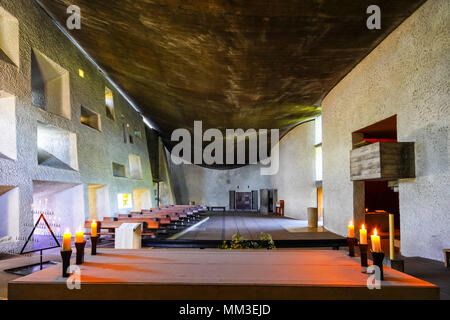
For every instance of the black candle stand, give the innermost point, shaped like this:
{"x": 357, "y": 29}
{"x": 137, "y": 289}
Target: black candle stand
{"x": 65, "y": 255}
{"x": 378, "y": 258}
{"x": 80, "y": 252}
{"x": 94, "y": 241}
{"x": 363, "y": 253}
{"x": 351, "y": 246}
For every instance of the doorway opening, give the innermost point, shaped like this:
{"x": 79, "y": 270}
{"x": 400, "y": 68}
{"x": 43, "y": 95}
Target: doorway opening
{"x": 375, "y": 199}
{"x": 320, "y": 203}
{"x": 98, "y": 201}
{"x": 244, "y": 201}
{"x": 142, "y": 199}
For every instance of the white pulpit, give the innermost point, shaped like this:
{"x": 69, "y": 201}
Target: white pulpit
{"x": 128, "y": 236}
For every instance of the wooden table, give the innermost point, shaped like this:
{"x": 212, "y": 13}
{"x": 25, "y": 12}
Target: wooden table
{"x": 220, "y": 274}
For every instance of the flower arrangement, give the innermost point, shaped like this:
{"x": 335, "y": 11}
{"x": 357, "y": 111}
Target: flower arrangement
{"x": 238, "y": 242}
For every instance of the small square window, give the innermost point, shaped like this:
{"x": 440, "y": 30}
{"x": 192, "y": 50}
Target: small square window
{"x": 119, "y": 170}
{"x": 137, "y": 133}
{"x": 90, "y": 118}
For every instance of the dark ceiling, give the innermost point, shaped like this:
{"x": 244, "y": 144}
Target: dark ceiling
{"x": 232, "y": 64}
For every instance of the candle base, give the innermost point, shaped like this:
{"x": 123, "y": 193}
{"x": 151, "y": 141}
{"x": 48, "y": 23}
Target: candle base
{"x": 94, "y": 241}
{"x": 378, "y": 258}
{"x": 80, "y": 252}
{"x": 351, "y": 246}
{"x": 65, "y": 256}
{"x": 363, "y": 253}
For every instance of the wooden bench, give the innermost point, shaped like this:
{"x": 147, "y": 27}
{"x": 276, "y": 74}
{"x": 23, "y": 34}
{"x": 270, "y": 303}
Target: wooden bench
{"x": 279, "y": 211}
{"x": 172, "y": 215}
{"x": 149, "y": 223}
{"x": 110, "y": 225}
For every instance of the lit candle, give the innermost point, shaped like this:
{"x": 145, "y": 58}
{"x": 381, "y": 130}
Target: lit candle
{"x": 363, "y": 235}
{"x": 67, "y": 236}
{"x": 351, "y": 229}
{"x": 79, "y": 236}
{"x": 375, "y": 240}
{"x": 94, "y": 228}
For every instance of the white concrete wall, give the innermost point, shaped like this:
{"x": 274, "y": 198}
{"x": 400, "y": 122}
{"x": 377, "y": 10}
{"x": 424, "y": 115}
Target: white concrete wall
{"x": 295, "y": 180}
{"x": 95, "y": 150}
{"x": 408, "y": 75}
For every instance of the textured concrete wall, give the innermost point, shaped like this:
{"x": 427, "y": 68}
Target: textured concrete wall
{"x": 211, "y": 186}
{"x": 294, "y": 181}
{"x": 95, "y": 150}
{"x": 408, "y": 75}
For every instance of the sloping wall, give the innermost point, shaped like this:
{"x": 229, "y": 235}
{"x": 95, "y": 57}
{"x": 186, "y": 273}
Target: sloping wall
{"x": 94, "y": 150}
{"x": 294, "y": 180}
{"x": 408, "y": 75}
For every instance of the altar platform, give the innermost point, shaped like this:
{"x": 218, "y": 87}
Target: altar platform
{"x": 220, "y": 274}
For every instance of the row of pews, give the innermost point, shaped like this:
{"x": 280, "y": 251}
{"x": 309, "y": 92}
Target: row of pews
{"x": 162, "y": 221}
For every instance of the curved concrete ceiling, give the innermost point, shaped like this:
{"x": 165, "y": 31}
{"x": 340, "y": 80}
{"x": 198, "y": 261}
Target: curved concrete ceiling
{"x": 232, "y": 64}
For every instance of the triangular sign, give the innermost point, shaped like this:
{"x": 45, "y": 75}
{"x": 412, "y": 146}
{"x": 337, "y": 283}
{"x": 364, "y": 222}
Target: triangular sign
{"x": 31, "y": 234}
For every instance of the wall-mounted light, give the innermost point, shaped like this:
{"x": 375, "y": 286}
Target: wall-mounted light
{"x": 81, "y": 73}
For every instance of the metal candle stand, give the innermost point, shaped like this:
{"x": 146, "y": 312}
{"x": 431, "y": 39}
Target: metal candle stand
{"x": 378, "y": 258}
{"x": 65, "y": 255}
{"x": 351, "y": 246}
{"x": 80, "y": 251}
{"x": 94, "y": 241}
{"x": 363, "y": 254}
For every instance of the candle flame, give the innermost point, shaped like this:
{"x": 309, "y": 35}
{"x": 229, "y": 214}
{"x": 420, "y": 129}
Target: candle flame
{"x": 350, "y": 223}
{"x": 93, "y": 221}
{"x": 363, "y": 227}
{"x": 67, "y": 231}
{"x": 375, "y": 232}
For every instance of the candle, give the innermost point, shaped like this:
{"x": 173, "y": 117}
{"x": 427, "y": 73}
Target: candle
{"x": 79, "y": 236}
{"x": 375, "y": 240}
{"x": 67, "y": 236}
{"x": 94, "y": 228}
{"x": 363, "y": 235}
{"x": 351, "y": 230}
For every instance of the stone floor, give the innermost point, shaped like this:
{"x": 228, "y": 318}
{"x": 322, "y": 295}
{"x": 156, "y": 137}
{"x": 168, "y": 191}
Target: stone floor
{"x": 222, "y": 226}
{"x": 432, "y": 271}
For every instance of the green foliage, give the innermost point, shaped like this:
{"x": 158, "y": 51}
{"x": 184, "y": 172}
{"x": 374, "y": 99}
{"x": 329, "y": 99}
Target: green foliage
{"x": 238, "y": 242}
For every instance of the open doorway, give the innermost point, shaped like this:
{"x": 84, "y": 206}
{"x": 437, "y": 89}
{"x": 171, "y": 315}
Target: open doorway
{"x": 142, "y": 199}
{"x": 320, "y": 203}
{"x": 62, "y": 203}
{"x": 98, "y": 201}
{"x": 374, "y": 199}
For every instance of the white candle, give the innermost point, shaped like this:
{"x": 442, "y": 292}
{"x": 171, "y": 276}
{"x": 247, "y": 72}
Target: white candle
{"x": 351, "y": 230}
{"x": 363, "y": 235}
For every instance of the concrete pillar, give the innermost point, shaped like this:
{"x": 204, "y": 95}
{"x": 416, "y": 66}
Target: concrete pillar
{"x": 264, "y": 201}
{"x": 313, "y": 217}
